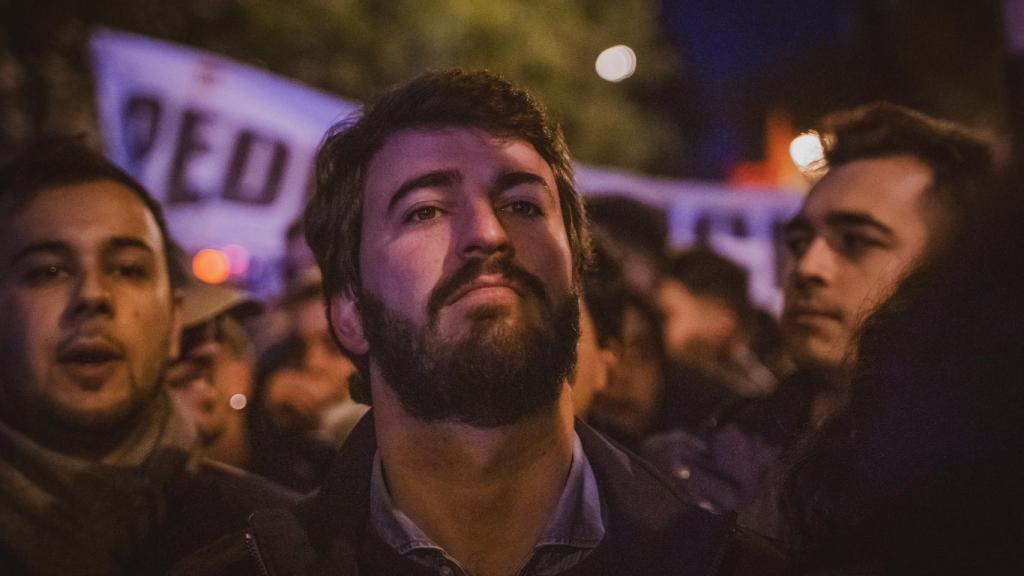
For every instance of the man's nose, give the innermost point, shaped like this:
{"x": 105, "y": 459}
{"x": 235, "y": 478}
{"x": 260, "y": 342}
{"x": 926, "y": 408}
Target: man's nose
{"x": 481, "y": 231}
{"x": 817, "y": 264}
{"x": 94, "y": 294}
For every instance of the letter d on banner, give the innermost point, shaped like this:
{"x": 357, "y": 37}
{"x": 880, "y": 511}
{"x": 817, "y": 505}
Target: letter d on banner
{"x": 226, "y": 148}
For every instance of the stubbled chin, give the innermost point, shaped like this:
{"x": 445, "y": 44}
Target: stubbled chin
{"x": 820, "y": 353}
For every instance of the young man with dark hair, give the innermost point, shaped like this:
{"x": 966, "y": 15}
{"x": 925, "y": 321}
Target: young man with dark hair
{"x": 452, "y": 242}
{"x": 898, "y": 184}
{"x": 97, "y": 474}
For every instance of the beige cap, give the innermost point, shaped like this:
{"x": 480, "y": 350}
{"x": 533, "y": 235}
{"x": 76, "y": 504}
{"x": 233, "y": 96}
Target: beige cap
{"x": 202, "y": 302}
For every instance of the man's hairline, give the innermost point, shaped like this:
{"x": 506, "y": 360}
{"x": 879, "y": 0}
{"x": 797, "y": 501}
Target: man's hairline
{"x": 932, "y": 202}
{"x": 10, "y": 208}
{"x": 931, "y": 189}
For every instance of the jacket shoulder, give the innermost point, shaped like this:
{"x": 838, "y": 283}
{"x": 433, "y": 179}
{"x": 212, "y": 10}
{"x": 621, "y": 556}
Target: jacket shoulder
{"x": 243, "y": 489}
{"x": 212, "y": 503}
{"x": 754, "y": 555}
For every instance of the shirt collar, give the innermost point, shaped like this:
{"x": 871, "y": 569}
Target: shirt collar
{"x": 576, "y": 521}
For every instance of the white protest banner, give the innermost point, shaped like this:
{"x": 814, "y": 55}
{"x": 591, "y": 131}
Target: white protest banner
{"x": 743, "y": 225}
{"x": 226, "y": 148}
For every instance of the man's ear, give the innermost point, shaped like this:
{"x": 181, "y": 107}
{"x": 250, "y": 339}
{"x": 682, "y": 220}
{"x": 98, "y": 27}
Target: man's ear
{"x": 177, "y": 326}
{"x": 347, "y": 324}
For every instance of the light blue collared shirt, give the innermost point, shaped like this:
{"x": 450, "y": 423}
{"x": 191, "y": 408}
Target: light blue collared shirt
{"x": 575, "y": 528}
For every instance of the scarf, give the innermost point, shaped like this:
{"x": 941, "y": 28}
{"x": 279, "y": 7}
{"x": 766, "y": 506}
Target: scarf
{"x": 68, "y": 516}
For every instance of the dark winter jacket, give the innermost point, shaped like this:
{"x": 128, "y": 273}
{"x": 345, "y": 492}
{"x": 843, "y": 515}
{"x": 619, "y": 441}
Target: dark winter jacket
{"x": 650, "y": 529}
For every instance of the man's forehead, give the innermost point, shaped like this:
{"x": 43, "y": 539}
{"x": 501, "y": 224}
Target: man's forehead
{"x": 886, "y": 189}
{"x": 102, "y": 212}
{"x": 414, "y": 149}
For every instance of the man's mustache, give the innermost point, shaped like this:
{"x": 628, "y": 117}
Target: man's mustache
{"x": 503, "y": 265}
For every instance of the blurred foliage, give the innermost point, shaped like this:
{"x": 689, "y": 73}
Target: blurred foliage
{"x": 354, "y": 48}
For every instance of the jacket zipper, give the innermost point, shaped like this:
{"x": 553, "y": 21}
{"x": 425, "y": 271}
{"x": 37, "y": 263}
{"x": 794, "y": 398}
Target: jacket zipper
{"x": 254, "y": 552}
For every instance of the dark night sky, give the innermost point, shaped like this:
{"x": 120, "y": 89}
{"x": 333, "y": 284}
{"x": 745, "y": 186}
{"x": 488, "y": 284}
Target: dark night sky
{"x": 742, "y": 58}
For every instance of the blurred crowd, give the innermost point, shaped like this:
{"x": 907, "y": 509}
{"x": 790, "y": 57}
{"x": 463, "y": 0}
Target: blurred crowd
{"x": 875, "y": 427}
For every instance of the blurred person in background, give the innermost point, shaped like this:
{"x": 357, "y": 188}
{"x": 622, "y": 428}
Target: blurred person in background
{"x": 709, "y": 333}
{"x": 898, "y": 185}
{"x": 213, "y": 375}
{"x": 297, "y": 268}
{"x": 637, "y": 235}
{"x": 601, "y": 316}
{"x": 636, "y": 402}
{"x": 99, "y": 468}
{"x": 590, "y": 376}
{"x": 645, "y": 395}
{"x": 303, "y": 406}
{"x": 923, "y": 471}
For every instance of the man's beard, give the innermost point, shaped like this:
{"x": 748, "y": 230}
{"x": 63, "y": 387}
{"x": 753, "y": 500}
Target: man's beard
{"x": 498, "y": 373}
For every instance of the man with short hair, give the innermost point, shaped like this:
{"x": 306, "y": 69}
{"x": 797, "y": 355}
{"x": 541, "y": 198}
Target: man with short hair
{"x": 97, "y": 474}
{"x": 452, "y": 242}
{"x": 898, "y": 184}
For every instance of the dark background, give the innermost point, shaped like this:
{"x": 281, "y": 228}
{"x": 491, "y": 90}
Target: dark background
{"x": 710, "y": 72}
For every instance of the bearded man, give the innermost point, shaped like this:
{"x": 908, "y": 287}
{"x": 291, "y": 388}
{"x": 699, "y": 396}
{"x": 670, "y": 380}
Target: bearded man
{"x": 452, "y": 241}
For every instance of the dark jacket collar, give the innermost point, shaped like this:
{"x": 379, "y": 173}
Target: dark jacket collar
{"x": 651, "y": 529}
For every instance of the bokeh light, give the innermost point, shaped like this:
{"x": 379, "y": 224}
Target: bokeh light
{"x": 238, "y": 259}
{"x": 211, "y": 266}
{"x": 617, "y": 63}
{"x": 238, "y": 401}
{"x": 806, "y": 151}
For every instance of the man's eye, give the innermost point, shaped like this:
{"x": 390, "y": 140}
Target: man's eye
{"x": 133, "y": 271}
{"x": 524, "y": 208}
{"x": 423, "y": 214}
{"x": 856, "y": 244}
{"x": 45, "y": 273}
{"x": 797, "y": 244}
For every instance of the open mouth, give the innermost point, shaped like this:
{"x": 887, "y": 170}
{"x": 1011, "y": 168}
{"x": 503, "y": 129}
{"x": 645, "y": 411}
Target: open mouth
{"x": 90, "y": 363}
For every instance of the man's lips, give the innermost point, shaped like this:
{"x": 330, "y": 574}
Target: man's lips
{"x": 812, "y": 312}
{"x": 487, "y": 282}
{"x": 90, "y": 360}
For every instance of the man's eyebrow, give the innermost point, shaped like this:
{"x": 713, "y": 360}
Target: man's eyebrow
{"x": 799, "y": 223}
{"x": 45, "y": 246}
{"x": 513, "y": 179}
{"x": 858, "y": 219}
{"x": 121, "y": 242}
{"x": 438, "y": 178}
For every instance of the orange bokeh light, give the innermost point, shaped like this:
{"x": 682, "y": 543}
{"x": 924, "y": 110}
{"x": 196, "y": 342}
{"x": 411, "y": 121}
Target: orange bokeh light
{"x": 211, "y": 266}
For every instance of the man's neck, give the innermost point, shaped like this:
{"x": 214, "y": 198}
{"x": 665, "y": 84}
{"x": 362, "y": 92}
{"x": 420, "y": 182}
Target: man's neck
{"x": 483, "y": 494}
{"x": 84, "y": 443}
